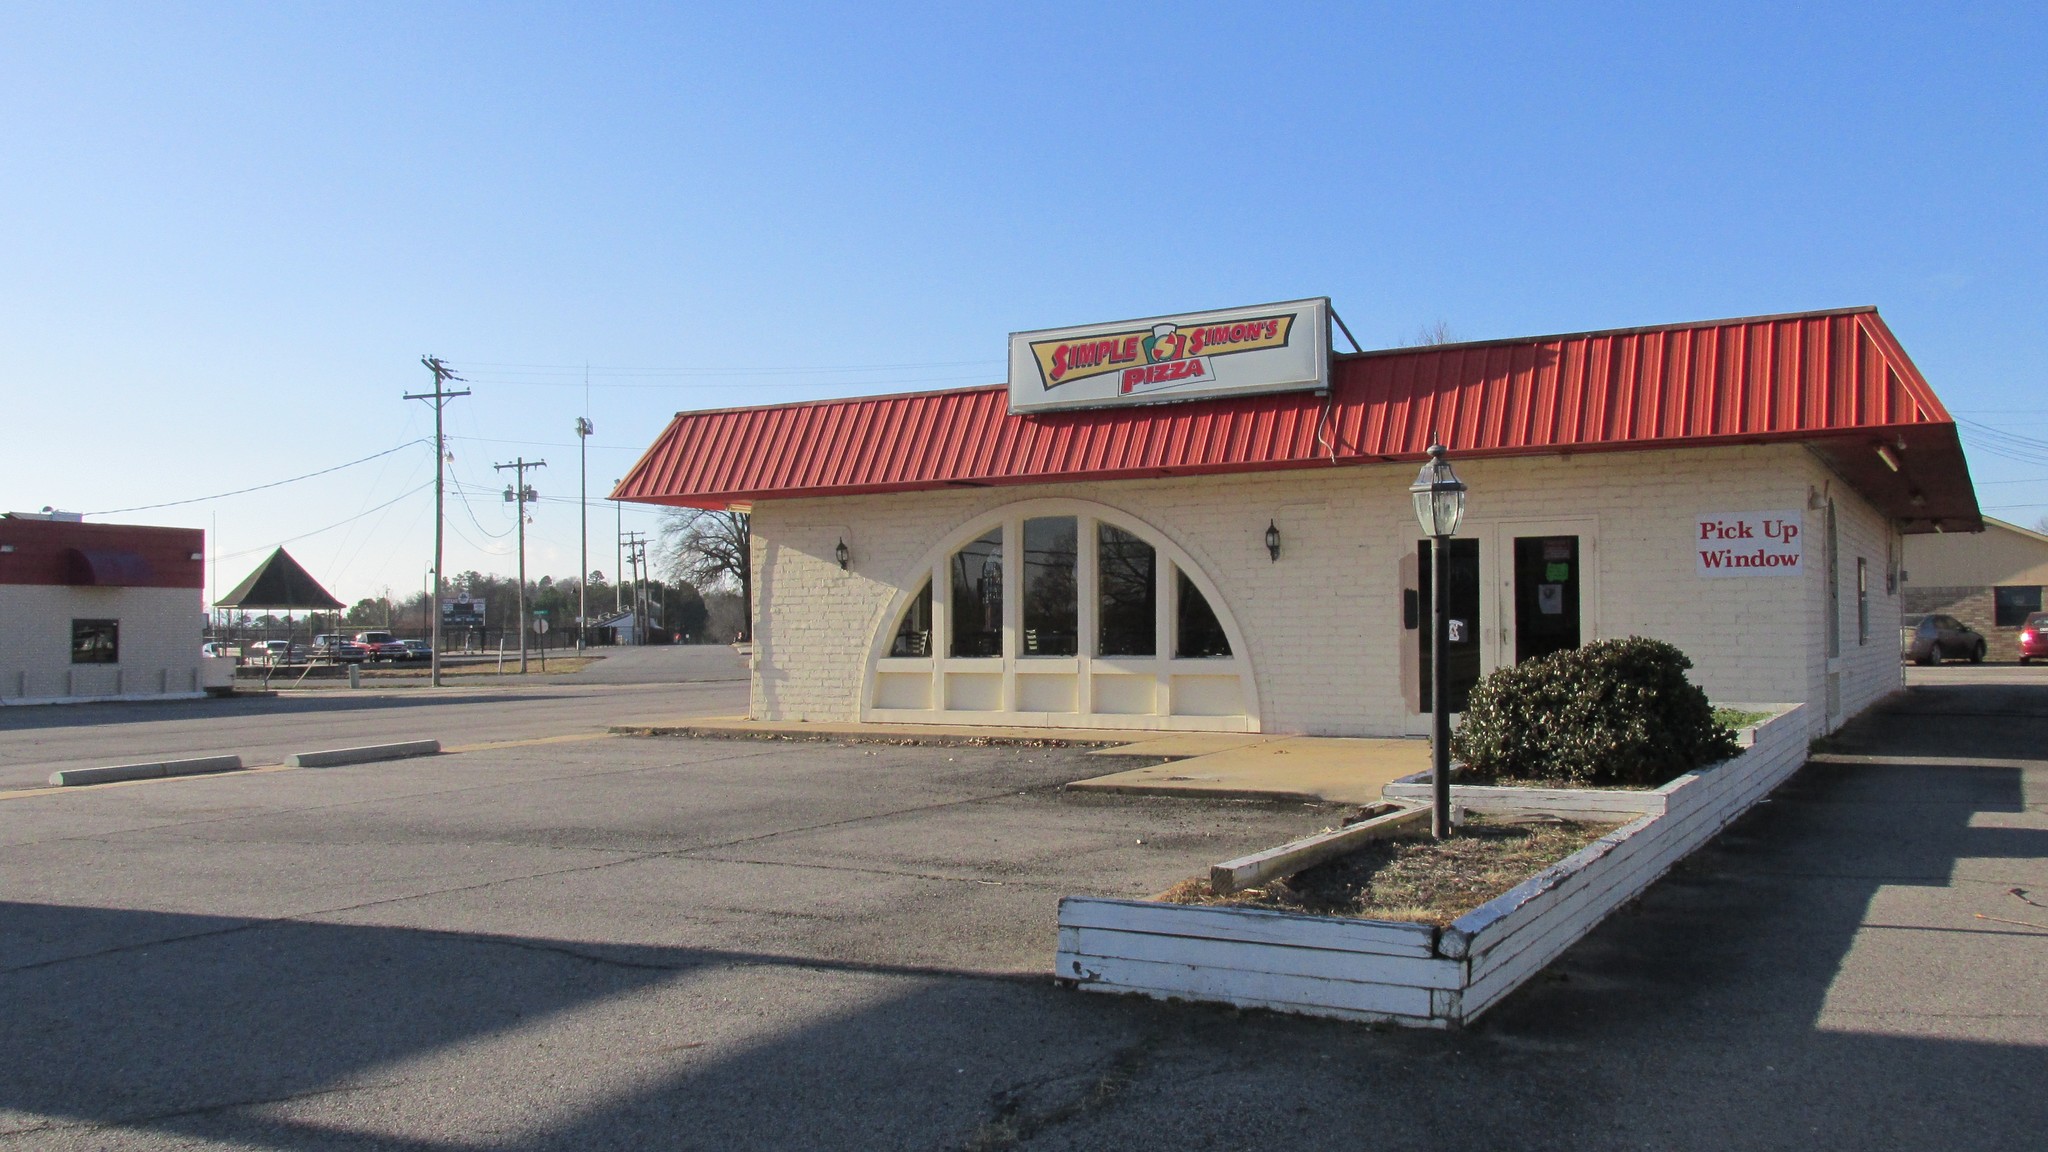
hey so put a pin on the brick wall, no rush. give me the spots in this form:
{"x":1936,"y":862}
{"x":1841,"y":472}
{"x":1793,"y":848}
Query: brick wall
{"x":159,"y":641}
{"x":1323,"y":625}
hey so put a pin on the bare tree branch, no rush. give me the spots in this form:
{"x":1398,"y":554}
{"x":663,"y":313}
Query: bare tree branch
{"x":710,"y":550}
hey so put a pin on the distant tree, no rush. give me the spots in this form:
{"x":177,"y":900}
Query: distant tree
{"x":367,"y":612}
{"x":724,"y":617}
{"x":711,"y":551}
{"x":683,"y":613}
{"x":1429,"y":334}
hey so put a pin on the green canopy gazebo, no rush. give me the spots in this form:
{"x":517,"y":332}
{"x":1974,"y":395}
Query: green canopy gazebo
{"x":281,"y":583}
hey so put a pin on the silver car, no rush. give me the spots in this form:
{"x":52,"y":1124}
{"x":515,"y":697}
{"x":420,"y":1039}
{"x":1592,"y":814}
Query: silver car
{"x":1933,"y":638}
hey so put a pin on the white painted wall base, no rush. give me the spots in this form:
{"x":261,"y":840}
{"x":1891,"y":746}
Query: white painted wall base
{"x":123,"y":698}
{"x":1414,"y":974}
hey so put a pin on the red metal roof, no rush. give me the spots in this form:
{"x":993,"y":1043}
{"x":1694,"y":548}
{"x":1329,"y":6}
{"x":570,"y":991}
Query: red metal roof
{"x":1836,"y":379}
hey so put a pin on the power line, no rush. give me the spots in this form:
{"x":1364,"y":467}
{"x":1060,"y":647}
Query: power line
{"x":329,"y":528}
{"x":672,"y":385}
{"x":259,"y":487}
{"x":579,"y":370}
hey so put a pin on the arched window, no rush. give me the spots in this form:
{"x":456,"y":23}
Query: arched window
{"x":1066,"y":614}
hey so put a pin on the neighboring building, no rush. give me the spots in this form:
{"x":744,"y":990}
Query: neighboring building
{"x":1989,"y":580}
{"x":627,"y":627}
{"x":1249,"y":560}
{"x":100,"y":611}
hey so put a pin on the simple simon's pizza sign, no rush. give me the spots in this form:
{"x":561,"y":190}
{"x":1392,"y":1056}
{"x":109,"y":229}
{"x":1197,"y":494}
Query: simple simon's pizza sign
{"x":1266,"y":348}
{"x":1749,"y":544}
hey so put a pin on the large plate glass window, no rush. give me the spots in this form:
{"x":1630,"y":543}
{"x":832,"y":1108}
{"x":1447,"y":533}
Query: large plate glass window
{"x":1127,"y":570}
{"x":977,"y":615}
{"x":1197,"y":632}
{"x":914,"y":633}
{"x":1052,"y":621}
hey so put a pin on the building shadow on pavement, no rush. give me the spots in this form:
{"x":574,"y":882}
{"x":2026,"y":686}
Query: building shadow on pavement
{"x":1769,"y":994}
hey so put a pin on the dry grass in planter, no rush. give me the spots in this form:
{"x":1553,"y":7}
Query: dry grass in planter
{"x":1412,"y":877}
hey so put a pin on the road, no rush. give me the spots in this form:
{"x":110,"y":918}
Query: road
{"x":659,"y":943}
{"x":637,"y":685}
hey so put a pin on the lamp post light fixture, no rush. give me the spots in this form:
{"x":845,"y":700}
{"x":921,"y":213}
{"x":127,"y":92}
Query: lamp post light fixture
{"x":1439,"y":504}
{"x":1273,"y":541}
{"x":841,"y":554}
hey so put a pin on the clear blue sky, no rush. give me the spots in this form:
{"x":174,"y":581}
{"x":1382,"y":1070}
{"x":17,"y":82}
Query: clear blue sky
{"x":228,"y":233}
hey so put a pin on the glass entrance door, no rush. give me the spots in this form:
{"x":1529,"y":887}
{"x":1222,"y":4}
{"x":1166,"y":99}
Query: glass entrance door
{"x":1546,"y":595}
{"x":1462,"y":605}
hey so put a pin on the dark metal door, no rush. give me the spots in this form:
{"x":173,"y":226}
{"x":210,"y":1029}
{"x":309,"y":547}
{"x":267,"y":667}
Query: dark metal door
{"x":1463,"y":606}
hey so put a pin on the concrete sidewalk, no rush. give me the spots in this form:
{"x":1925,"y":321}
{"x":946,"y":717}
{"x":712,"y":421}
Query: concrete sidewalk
{"x":1329,"y":769}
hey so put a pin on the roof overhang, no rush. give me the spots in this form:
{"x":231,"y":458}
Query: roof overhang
{"x":1916,"y":474}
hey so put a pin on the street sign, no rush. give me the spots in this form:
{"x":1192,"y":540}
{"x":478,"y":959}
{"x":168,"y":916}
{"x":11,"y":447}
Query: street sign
{"x":540,"y":625}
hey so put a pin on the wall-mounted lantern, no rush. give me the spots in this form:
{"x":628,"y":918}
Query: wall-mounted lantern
{"x":842,"y":554}
{"x":1273,"y":540}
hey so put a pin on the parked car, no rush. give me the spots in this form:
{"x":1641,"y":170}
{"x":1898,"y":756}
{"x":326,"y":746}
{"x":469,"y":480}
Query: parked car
{"x":2034,"y":637}
{"x":417,"y":650}
{"x":1935,"y":638}
{"x":382,"y":645}
{"x":340,"y":649}
{"x":278,"y":652}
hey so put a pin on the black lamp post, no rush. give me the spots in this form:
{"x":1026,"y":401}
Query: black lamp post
{"x":1439,"y":504}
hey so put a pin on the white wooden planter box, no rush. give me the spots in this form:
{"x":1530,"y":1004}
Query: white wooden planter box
{"x":1416,"y":974}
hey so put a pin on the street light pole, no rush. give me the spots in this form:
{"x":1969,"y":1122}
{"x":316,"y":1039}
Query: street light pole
{"x":583,"y":430}
{"x":1439,"y":498}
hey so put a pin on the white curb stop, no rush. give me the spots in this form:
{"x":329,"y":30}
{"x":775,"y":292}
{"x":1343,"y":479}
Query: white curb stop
{"x":366,"y":754}
{"x":112,"y":773}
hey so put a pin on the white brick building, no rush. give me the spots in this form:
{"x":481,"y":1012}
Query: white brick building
{"x":1112,"y":567}
{"x":99,"y":611}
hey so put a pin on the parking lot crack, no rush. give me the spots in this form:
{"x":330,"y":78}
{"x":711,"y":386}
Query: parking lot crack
{"x":1015,"y":1120}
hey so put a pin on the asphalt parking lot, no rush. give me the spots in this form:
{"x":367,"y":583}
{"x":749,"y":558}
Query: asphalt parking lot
{"x":662,"y":943}
{"x":627,"y":686}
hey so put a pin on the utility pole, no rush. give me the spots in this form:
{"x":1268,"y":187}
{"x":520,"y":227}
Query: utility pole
{"x":523,"y":495}
{"x":583,"y":430}
{"x":440,"y":396}
{"x":635,"y":548}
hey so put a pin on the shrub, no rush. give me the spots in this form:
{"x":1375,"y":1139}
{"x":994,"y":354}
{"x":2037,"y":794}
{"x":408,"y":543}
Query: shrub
{"x":1611,"y":712}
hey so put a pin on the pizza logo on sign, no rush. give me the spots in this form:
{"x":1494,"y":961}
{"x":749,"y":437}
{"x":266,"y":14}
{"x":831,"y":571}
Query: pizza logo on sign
{"x":1158,"y":357}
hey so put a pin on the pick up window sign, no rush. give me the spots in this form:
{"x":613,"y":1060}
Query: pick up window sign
{"x":1749,"y":544}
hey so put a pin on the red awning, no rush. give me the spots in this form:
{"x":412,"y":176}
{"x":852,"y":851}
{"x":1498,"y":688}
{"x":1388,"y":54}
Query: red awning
{"x":110,"y":568}
{"x":1837,"y":380}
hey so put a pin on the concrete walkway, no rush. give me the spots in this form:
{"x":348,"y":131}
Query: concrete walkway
{"x":1314,"y":768}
